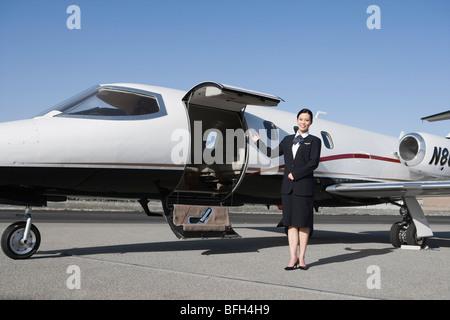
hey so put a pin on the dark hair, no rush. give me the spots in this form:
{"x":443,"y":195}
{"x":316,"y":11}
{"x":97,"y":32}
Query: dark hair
{"x":305,"y":111}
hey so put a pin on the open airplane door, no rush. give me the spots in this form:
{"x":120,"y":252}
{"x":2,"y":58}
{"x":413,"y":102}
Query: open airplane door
{"x":218,"y":158}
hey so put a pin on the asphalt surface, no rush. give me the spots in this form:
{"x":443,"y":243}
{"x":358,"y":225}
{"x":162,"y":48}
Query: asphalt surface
{"x":114,"y":255}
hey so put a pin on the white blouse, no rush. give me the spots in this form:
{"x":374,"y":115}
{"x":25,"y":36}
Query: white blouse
{"x":297,"y":145}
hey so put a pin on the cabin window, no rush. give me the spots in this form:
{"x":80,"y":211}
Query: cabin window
{"x":271,"y":130}
{"x":211,"y":140}
{"x":327,"y":140}
{"x":114,"y":103}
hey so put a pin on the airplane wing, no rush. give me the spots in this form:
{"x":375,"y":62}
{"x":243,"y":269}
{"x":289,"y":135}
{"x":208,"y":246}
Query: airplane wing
{"x":391,"y":190}
{"x":407,"y":191}
{"x":438,"y":117}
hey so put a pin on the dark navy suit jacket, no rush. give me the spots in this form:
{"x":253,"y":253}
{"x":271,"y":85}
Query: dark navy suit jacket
{"x":302,"y":166}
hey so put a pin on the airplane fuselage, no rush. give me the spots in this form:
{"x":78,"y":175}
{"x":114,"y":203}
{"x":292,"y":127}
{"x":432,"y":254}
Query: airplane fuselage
{"x":192,"y":150}
{"x":62,"y":154}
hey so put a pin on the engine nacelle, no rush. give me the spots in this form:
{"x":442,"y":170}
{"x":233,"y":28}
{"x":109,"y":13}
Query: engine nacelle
{"x":426,"y":154}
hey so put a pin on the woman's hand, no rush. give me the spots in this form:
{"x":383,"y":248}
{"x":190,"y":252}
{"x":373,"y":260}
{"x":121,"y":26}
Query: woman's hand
{"x":290,"y":176}
{"x":255,"y":137}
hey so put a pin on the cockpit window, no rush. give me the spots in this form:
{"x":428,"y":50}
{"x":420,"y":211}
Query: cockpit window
{"x":113,"y":103}
{"x":110,"y":102}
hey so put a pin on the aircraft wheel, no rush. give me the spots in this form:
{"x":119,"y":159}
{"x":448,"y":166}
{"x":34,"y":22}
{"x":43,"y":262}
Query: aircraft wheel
{"x":411,"y":237}
{"x":397,"y":234}
{"x":12,"y":244}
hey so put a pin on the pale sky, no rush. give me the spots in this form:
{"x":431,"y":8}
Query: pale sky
{"x":315,"y":54}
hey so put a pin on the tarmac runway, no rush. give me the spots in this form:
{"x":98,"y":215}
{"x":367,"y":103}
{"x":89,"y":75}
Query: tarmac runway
{"x":105,"y":255}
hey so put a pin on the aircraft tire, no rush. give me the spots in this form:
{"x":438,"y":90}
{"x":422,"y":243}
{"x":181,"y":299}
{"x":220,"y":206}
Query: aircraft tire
{"x":411,"y":237}
{"x":11,"y":245}
{"x":396,"y":234}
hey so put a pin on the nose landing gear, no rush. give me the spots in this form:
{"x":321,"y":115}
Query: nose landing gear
{"x":21,"y":239}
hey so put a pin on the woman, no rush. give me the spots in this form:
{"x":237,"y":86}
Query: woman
{"x":301,"y":157}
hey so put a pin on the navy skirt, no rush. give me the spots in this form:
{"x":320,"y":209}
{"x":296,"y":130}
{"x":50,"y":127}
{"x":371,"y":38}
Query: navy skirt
{"x":298,"y":211}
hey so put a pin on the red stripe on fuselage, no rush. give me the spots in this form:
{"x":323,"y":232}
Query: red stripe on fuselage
{"x":339,"y":157}
{"x":357,"y":156}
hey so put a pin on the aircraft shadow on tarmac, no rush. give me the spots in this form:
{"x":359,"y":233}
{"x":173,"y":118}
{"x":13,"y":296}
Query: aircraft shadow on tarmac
{"x":254,"y":244}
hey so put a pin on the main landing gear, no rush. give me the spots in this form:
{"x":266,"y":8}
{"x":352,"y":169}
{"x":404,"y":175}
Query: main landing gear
{"x":413,"y":229}
{"x":21,"y":239}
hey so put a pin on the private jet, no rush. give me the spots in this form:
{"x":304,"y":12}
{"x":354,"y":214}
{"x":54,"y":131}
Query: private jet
{"x":191,"y":150}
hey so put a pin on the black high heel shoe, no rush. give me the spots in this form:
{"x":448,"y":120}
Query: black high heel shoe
{"x":300,"y":267}
{"x":292,"y":268}
{"x":303,"y":268}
